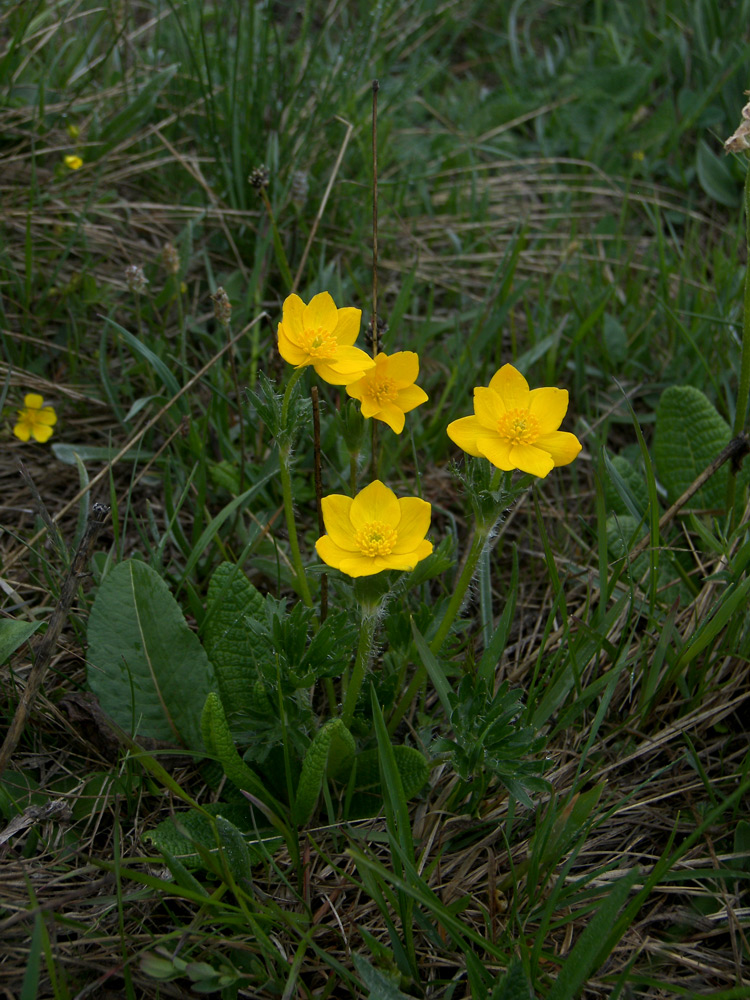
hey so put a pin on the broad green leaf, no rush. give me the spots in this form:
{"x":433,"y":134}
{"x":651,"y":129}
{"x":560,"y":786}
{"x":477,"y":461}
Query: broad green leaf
{"x":145,"y":665}
{"x":232,"y":599}
{"x":514,"y":985}
{"x":14,"y":634}
{"x":381,"y":987}
{"x":715,"y":176}
{"x":625,"y":488}
{"x":689,"y":434}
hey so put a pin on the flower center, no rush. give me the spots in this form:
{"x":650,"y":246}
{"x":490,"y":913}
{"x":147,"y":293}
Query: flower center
{"x":320,"y":343}
{"x":380,"y":390}
{"x":376,"y":539}
{"x":518,"y":427}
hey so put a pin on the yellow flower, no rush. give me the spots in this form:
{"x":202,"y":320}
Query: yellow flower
{"x":321,"y":335}
{"x":375,"y":531}
{"x":73,"y":162}
{"x":35,"y":420}
{"x":516,"y":427}
{"x":387,"y":391}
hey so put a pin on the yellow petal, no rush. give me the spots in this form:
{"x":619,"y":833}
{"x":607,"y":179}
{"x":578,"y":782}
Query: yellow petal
{"x":549,"y":406}
{"x":46,"y":416}
{"x":33,"y":401}
{"x":404,"y":560}
{"x":528,"y":458}
{"x":561,"y":445}
{"x":331,"y":375}
{"x":410,"y":397}
{"x":463,"y":432}
{"x":362,"y":565}
{"x":347,"y":325}
{"x":390,"y":414}
{"x":22,"y":430}
{"x":488,"y":407}
{"x":351,"y":359}
{"x":289,"y":350}
{"x":330,"y":553}
{"x":370,"y":407}
{"x":320,"y":313}
{"x":375,"y":503}
{"x":357,"y":389}
{"x":42,"y":433}
{"x":403,"y":367}
{"x":291,"y":317}
{"x":496,"y":449}
{"x":414,"y":524}
{"x":336,"y":509}
{"x":510,"y":384}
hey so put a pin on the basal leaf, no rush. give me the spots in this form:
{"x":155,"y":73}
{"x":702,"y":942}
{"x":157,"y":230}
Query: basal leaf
{"x":689,"y":434}
{"x":146,"y":666}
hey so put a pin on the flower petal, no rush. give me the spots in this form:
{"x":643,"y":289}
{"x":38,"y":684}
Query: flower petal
{"x":496,"y":449}
{"x":512,"y":387}
{"x":403,"y":367}
{"x":289,"y":350}
{"x":463,"y":432}
{"x":330,"y":552}
{"x":390,"y":414}
{"x":375,"y":503}
{"x":352,"y":359}
{"x":46,"y":416}
{"x":336,"y":509}
{"x":488,"y":407}
{"x":531,"y":459}
{"x":561,"y":445}
{"x":22,"y":430}
{"x":33,"y":401}
{"x":362,"y":565}
{"x":291,"y":318}
{"x":347,"y":325}
{"x":414,"y":524}
{"x":320,"y":313}
{"x":410,"y":397}
{"x":42,"y":433}
{"x":549,"y":406}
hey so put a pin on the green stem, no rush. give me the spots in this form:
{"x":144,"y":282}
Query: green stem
{"x":354,"y":686}
{"x":286,"y":487}
{"x":743,"y":388}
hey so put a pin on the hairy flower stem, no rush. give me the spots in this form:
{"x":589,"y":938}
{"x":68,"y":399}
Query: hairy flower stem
{"x":743,"y":387}
{"x":285,"y":452}
{"x":364,"y":649}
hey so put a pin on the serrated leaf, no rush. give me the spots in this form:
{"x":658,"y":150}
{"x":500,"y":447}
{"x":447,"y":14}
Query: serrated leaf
{"x":625,"y":489}
{"x":514,"y":985}
{"x":689,"y":434}
{"x":146,"y":666}
{"x":14,"y":634}
{"x":232,"y":600}
{"x":379,"y":985}
{"x":315,"y":765}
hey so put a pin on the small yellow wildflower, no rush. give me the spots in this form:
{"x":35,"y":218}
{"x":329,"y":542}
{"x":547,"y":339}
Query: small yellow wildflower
{"x":388,"y":391}
{"x":516,"y":427}
{"x":73,"y":162}
{"x":321,"y":335}
{"x":374,"y":531}
{"x":72,"y":130}
{"x":35,"y":420}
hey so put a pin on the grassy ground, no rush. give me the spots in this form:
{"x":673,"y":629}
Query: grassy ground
{"x":553,"y":193}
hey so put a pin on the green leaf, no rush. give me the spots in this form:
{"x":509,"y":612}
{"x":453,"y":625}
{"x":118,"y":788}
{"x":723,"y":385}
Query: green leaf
{"x":14,"y":634}
{"x":586,"y":956}
{"x":69,"y":453}
{"x":615,"y":339}
{"x":232,"y":600}
{"x":381,"y":987}
{"x":514,"y":985}
{"x":625,"y":488}
{"x":689,"y":434}
{"x":331,"y":743}
{"x":411,"y":764}
{"x":715,"y":176}
{"x":220,"y":744}
{"x":145,"y":665}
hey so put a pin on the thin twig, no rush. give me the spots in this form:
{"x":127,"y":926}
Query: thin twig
{"x":44,"y":649}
